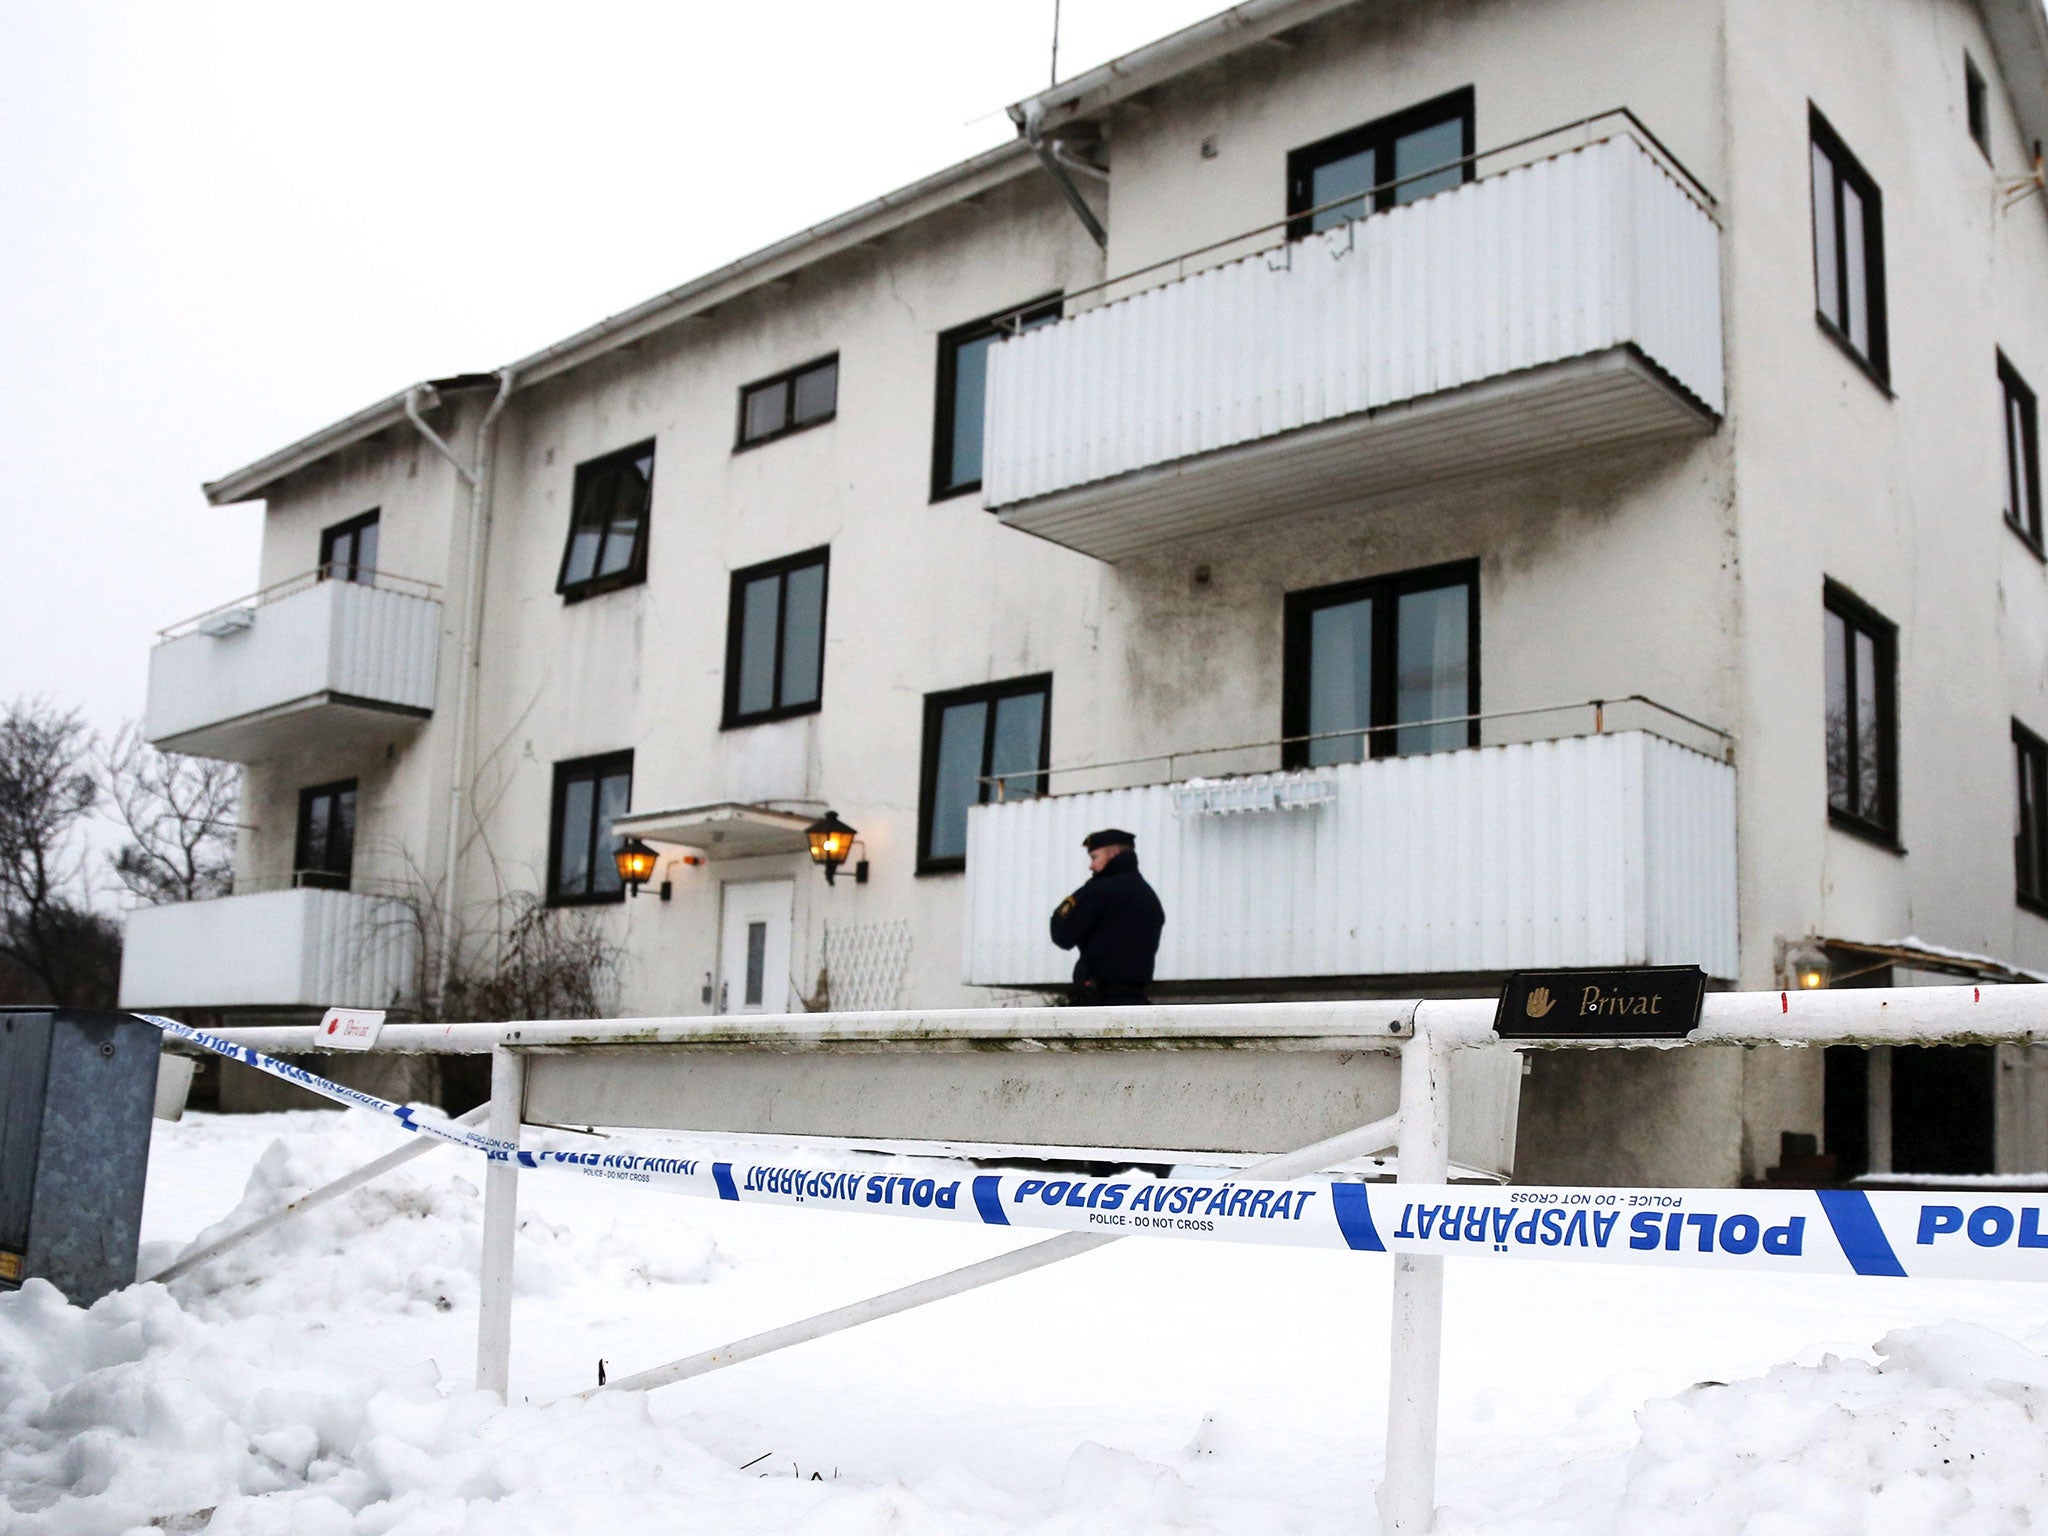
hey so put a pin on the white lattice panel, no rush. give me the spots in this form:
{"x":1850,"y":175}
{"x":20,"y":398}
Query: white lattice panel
{"x":866,"y":964}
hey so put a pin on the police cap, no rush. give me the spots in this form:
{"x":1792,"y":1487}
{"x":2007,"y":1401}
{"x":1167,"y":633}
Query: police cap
{"x":1109,"y":837}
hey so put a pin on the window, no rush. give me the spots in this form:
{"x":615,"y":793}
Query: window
{"x":775,"y":639}
{"x":980,"y":744}
{"x":2030,"y":819}
{"x":1848,"y":252}
{"x":608,"y":524}
{"x":1376,"y":167}
{"x":1976,"y":105}
{"x":348,"y":551}
{"x":963,"y":392}
{"x":2022,"y":455}
{"x":789,"y":402}
{"x":590,"y":794}
{"x":1365,"y":659}
{"x":326,"y":844}
{"x":1862,"y":649}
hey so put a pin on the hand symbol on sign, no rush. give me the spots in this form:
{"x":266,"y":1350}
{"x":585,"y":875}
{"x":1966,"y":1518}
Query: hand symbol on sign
{"x":1539,"y":1003}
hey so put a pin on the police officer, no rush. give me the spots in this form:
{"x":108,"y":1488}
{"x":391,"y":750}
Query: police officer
{"x":1114,"y":920}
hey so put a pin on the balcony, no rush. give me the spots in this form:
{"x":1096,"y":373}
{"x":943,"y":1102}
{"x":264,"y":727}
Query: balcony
{"x":273,"y":949}
{"x":1560,"y":305}
{"x":1611,"y":848}
{"x":307,"y":663}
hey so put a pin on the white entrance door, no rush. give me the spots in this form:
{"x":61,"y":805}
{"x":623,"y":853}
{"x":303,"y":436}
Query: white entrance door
{"x":753,"y":947}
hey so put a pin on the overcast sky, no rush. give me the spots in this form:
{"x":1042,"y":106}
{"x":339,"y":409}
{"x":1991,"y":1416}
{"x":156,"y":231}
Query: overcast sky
{"x":225,"y":223}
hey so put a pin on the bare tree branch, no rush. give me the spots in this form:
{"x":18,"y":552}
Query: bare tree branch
{"x":179,"y":813}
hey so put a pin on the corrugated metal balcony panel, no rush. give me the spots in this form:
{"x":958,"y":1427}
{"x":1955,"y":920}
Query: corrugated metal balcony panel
{"x":1565,"y":259}
{"x":1694,"y":875}
{"x":320,"y":663}
{"x":384,"y":645}
{"x":1598,"y":850}
{"x":272,"y":949}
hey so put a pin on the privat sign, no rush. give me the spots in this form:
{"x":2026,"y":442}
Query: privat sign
{"x":350,"y":1029}
{"x":1658,"y":1002}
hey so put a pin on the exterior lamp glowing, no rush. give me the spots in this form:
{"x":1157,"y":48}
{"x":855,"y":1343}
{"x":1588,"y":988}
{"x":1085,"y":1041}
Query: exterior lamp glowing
{"x":831,"y":841}
{"x":1811,"y":966}
{"x":636,"y":863}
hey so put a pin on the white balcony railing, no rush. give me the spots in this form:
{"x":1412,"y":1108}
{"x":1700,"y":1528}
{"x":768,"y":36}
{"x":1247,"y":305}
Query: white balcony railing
{"x":296,"y":663}
{"x":274,"y":949}
{"x":1611,"y":849}
{"x":1564,"y":304}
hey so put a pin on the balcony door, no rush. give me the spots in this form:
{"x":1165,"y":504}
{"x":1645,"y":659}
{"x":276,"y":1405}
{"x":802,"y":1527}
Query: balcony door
{"x":753,"y":946}
{"x":348,"y":551}
{"x":326,"y":844}
{"x":1382,"y":668}
{"x":1394,"y":160}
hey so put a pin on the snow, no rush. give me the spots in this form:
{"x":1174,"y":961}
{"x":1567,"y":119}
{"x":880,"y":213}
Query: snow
{"x":1914,"y":943}
{"x":316,"y":1381}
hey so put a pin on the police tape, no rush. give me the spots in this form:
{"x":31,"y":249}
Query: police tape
{"x":1936,"y":1234}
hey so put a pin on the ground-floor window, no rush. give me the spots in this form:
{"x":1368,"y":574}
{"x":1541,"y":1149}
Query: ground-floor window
{"x":590,"y":793}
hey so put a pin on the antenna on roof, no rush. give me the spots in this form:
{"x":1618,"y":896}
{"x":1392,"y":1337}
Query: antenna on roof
{"x":1055,"y":42}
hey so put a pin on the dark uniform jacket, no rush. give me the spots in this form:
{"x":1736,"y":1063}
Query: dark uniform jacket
{"x":1115,"y":921}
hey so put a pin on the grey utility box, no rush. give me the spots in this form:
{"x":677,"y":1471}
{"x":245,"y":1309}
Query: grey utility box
{"x":77,"y":1088}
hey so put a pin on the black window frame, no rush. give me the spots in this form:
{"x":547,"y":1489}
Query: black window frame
{"x":1977,"y":105}
{"x":1380,"y":136}
{"x":2022,"y":458}
{"x":786,"y":382}
{"x":592,"y":770}
{"x":1382,"y":733}
{"x":634,"y":572}
{"x":733,"y":718}
{"x":1858,"y":616}
{"x":351,"y":529}
{"x":1849,"y":171}
{"x":326,"y":878}
{"x":2030,"y":820}
{"x":935,"y":707}
{"x":1018,"y":317}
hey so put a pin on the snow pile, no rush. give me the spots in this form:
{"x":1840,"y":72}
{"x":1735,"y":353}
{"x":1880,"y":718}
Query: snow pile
{"x":1947,"y":1432}
{"x":212,"y":1404}
{"x":137,"y":1413}
{"x":409,"y":1240}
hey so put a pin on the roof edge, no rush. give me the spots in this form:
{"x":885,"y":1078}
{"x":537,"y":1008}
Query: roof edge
{"x":1253,"y":21}
{"x":250,"y":480}
{"x":892,"y":210}
{"x":2019,"y":37}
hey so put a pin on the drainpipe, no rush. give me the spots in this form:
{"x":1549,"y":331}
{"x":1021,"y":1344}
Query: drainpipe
{"x":479,"y":478}
{"x":1030,"y":122}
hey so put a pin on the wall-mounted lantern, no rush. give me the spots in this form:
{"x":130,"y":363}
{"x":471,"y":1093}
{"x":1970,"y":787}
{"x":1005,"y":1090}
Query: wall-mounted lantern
{"x":636,"y":863}
{"x":1810,"y":965}
{"x":831,"y":841}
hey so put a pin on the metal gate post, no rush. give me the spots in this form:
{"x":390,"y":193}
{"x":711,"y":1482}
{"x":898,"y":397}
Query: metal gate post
{"x":501,"y":1226}
{"x":1407,"y":1499}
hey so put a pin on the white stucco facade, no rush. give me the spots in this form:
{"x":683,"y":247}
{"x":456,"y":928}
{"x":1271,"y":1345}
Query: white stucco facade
{"x":1683,"y":565}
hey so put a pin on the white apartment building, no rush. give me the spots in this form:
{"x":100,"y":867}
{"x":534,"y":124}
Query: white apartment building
{"x":1280,"y":449}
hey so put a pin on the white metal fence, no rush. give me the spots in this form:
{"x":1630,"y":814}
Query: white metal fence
{"x":1427,"y":1036}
